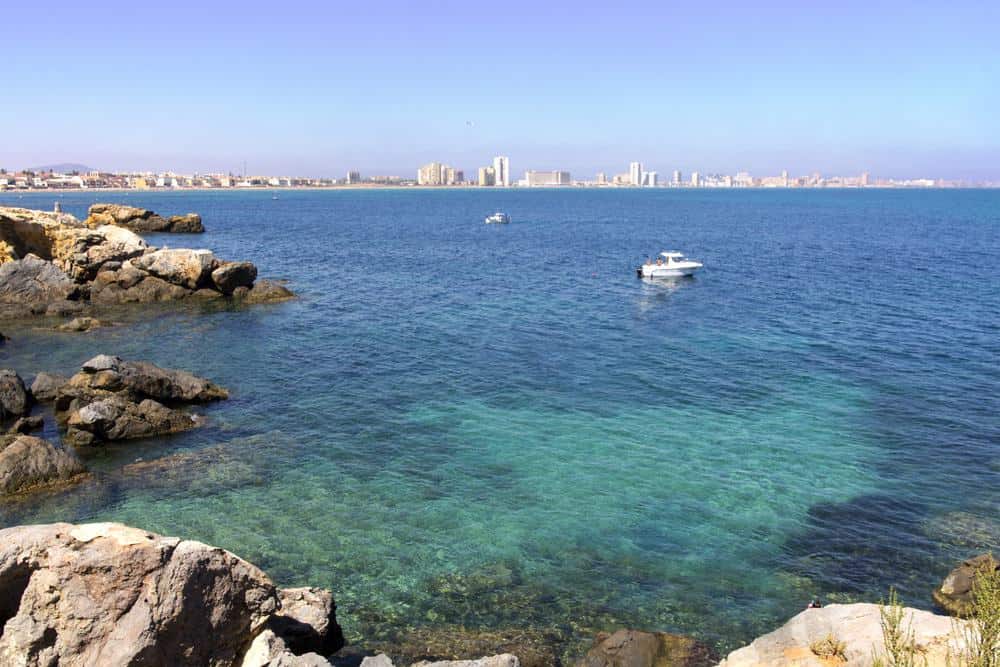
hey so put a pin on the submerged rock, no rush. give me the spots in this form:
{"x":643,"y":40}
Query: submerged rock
{"x":954,"y":595}
{"x":534,"y":648}
{"x":15,"y":401}
{"x":27,"y":425}
{"x":264,"y":291}
{"x":858,"y":626}
{"x":503,"y":660}
{"x":78,"y":324}
{"x":633,"y":648}
{"x":27,"y":463}
{"x":108,"y":594}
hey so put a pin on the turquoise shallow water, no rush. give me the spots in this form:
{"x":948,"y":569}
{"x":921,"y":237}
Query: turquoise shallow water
{"x":461,"y":424}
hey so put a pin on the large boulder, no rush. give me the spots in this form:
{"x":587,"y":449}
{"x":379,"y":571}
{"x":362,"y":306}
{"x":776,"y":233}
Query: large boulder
{"x":117,"y":418}
{"x":954,"y":595}
{"x":189,"y":223}
{"x":15,"y":401}
{"x":46,"y":386}
{"x":270,"y":650}
{"x":264,"y":291}
{"x":307,"y":621}
{"x":231,"y":275}
{"x":859,"y":627}
{"x":187,"y":268}
{"x":27,"y":425}
{"x":34,"y":280}
{"x":633,"y":648}
{"x":108,"y":594}
{"x":142,"y":379}
{"x":27,"y":463}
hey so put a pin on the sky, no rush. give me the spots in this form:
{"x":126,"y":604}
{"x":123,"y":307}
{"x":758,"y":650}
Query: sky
{"x":900,"y":89}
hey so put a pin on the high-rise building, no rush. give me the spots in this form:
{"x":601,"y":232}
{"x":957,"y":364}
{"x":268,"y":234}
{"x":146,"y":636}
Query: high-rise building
{"x":865,"y":179}
{"x":542,"y":178}
{"x":487,"y":176}
{"x":635,"y":173}
{"x":602,"y":178}
{"x":353,"y":177}
{"x":430,"y":174}
{"x":695,"y":179}
{"x":501,"y":171}
{"x":650,"y":179}
{"x":677,"y":178}
{"x":784,"y":179}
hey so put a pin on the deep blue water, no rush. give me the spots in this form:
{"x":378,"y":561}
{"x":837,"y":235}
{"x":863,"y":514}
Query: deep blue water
{"x":500,"y":426}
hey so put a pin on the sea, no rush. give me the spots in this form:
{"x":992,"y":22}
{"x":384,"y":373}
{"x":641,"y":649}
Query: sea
{"x":460,"y":425}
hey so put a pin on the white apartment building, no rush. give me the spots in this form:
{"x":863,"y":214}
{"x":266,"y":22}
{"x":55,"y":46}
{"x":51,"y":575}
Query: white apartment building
{"x":501,"y":171}
{"x":635,"y":173}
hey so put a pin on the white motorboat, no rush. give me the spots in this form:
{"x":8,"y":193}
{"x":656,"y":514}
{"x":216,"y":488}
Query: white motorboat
{"x":497,"y":218}
{"x":669,"y":264}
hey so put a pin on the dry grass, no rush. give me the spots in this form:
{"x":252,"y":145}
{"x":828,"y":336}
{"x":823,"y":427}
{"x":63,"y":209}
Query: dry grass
{"x":830,"y":648}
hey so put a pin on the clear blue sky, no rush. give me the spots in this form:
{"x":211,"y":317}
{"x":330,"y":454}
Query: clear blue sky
{"x":902,"y":89}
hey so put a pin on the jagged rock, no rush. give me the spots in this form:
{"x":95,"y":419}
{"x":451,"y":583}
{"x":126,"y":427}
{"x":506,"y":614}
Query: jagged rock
{"x":231,"y":275}
{"x":142,"y":379}
{"x":108,"y":594}
{"x":141,"y":219}
{"x":14,"y":398}
{"x":188,"y":268}
{"x":116,"y":418}
{"x":81,"y":324}
{"x":115,"y":399}
{"x":46,"y":385}
{"x":633,"y":648}
{"x":859,"y":627}
{"x":269,"y":650}
{"x":26,"y":463}
{"x":954,"y":595}
{"x":34,"y":280}
{"x":148,"y":289}
{"x":27,"y":425}
{"x":263,"y":291}
{"x":307,"y":621}
{"x":189,"y":223}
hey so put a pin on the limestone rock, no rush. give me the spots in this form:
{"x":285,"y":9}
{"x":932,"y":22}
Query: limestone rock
{"x":380,"y":660}
{"x":142,"y":379}
{"x":14,"y":398}
{"x":533,"y":647}
{"x":27,"y":462}
{"x":27,"y":425}
{"x":307,"y":621}
{"x":46,"y":385}
{"x":633,"y":648}
{"x":141,"y":219}
{"x":954,"y":595}
{"x":231,"y":275}
{"x":34,"y":280}
{"x":189,"y":223}
{"x":107,"y":594}
{"x":264,"y":291}
{"x":187,"y":268}
{"x":858,"y":625}
{"x":269,"y":650}
{"x":148,"y":289}
{"x":116,"y":418}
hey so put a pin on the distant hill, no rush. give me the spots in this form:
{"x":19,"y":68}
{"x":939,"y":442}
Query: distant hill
{"x":62,"y":168}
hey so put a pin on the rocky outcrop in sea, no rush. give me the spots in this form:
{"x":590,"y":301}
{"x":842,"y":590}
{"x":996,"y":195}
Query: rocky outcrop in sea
{"x":54,"y":264}
{"x":142,"y":220}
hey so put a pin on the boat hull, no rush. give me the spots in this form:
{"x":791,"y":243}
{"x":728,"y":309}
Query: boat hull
{"x":668,"y":272}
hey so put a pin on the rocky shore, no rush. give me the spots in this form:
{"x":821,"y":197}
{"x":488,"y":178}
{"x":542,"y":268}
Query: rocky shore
{"x":110,"y":594}
{"x":142,"y":220}
{"x":53,"y":264}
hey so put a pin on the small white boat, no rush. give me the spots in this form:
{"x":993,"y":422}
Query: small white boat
{"x":497,"y":218}
{"x":669,"y":265}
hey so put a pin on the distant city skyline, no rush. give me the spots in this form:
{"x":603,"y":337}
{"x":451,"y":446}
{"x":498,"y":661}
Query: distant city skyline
{"x":318,"y":89}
